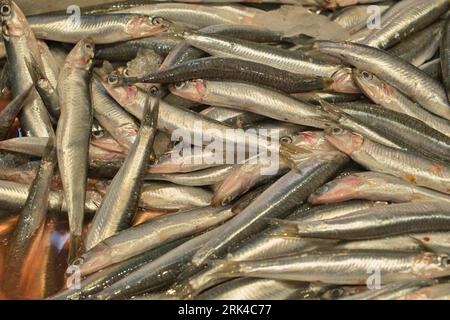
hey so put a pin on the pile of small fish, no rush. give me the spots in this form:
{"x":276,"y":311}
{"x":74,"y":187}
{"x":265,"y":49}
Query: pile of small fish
{"x":101,"y":197}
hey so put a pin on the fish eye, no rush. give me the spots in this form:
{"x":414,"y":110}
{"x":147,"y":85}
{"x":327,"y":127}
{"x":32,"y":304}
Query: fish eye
{"x":78,"y":262}
{"x":337,"y":130}
{"x":286,"y":139}
{"x":153,"y":91}
{"x":88,"y":46}
{"x":337,"y":293}
{"x":157,"y":21}
{"x":126,"y":72}
{"x":323,"y":189}
{"x":5,"y":10}
{"x":227,"y":200}
{"x":98,"y":133}
{"x":113,"y":79}
{"x":179,"y":85}
{"x":367,"y":75}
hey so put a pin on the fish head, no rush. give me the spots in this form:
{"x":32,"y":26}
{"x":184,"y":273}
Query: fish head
{"x":343,"y":81}
{"x":373,"y":87}
{"x":311,"y":140}
{"x":337,"y":190}
{"x":344,"y":140}
{"x":193,"y":90}
{"x":124,"y":94}
{"x":82,"y":55}
{"x":144,"y":26}
{"x":94,"y":259}
{"x":233,"y":186}
{"x":14,"y":23}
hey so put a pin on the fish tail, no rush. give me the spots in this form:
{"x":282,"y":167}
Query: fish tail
{"x":285,"y":229}
{"x":333,"y":111}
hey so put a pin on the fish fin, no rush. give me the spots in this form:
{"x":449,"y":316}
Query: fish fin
{"x":293,"y":149}
{"x":332,"y":110}
{"x":225,"y":268}
{"x":422,"y":244}
{"x":294,"y":156}
{"x":285,"y":229}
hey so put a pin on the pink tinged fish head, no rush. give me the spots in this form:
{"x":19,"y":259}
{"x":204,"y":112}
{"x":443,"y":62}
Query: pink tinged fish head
{"x":193,"y":90}
{"x":373,"y":87}
{"x":14,"y":23}
{"x":344,"y":140}
{"x":429,"y":265}
{"x":123,"y":94}
{"x":231,"y":188}
{"x":82,"y":55}
{"x":144,"y":26}
{"x":165,"y":164}
{"x":343,"y":81}
{"x":94,"y":259}
{"x":311,"y":140}
{"x":337,"y":190}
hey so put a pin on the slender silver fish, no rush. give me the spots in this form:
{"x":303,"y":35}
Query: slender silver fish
{"x":31,"y":218}
{"x":389,"y":97}
{"x":344,"y":267}
{"x":373,"y":186}
{"x":121,"y":199}
{"x":21,"y":46}
{"x":412,"y":81}
{"x":373,"y":223}
{"x":149,"y":235}
{"x":101,"y":28}
{"x":73,"y":134}
{"x":376,"y":157}
{"x":276,"y":201}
